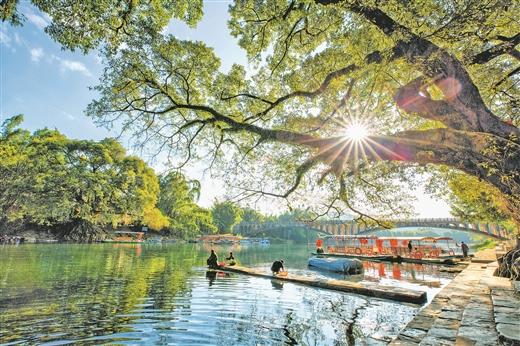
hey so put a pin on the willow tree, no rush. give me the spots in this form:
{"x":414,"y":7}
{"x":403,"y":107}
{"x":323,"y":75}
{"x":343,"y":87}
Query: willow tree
{"x":435,"y":81}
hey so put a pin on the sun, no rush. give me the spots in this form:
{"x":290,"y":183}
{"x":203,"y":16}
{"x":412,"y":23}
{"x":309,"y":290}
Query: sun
{"x":356,"y":131}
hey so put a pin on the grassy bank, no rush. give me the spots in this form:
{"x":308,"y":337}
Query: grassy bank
{"x":485,"y":244}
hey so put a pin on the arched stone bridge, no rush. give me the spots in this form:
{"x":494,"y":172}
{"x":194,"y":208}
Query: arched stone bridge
{"x":341,"y":227}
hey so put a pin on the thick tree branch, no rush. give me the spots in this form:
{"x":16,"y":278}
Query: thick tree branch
{"x":413,"y":98}
{"x":444,"y":69}
{"x":506,"y":47}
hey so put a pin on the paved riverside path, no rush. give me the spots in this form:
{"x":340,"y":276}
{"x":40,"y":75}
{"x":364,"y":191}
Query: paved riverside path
{"x":475,"y":308}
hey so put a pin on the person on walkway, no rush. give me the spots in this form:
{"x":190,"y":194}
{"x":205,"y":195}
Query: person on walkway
{"x":410,"y":246}
{"x":212,"y":260}
{"x":277,"y":267}
{"x":465,"y":249}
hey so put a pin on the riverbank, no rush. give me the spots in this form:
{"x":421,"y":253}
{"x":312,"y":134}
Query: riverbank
{"x":476,"y":308}
{"x":48,"y":236}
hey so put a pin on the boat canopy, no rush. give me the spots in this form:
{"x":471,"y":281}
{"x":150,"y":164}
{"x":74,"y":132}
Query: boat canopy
{"x":416,"y":238}
{"x":368,"y":236}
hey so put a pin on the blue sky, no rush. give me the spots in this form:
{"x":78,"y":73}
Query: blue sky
{"x":50,"y":86}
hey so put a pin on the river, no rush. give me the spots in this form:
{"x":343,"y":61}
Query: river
{"x":162,"y":294}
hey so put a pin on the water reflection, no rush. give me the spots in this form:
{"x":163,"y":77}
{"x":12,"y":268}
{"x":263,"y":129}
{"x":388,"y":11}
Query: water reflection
{"x":162,"y":294}
{"x":211,"y":276}
{"x":276,"y":284}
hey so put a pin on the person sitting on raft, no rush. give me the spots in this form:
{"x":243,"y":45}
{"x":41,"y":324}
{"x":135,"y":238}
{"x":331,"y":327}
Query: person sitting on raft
{"x":319,"y":250}
{"x":231,"y":259}
{"x":212,"y":260}
{"x":277,"y":267}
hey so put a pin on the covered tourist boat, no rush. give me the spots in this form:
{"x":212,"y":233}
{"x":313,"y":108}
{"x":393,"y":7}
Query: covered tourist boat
{"x":421,"y":249}
{"x":339,"y":265}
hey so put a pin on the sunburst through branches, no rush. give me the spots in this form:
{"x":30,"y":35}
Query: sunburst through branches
{"x":356,"y":131}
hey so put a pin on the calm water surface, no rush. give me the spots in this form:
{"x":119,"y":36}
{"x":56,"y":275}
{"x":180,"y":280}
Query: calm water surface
{"x":161,"y":294}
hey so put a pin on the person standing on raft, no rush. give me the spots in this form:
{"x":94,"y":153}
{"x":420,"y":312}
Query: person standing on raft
{"x":465,"y":249}
{"x":212,"y":260}
{"x":277,"y":267}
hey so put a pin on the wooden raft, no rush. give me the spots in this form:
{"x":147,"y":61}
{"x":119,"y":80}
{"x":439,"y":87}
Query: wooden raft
{"x":366,"y":289}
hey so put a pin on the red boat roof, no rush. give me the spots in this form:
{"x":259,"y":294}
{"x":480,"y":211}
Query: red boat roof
{"x":417,"y":238}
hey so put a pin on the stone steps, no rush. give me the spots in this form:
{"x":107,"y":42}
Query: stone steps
{"x":476,"y":308}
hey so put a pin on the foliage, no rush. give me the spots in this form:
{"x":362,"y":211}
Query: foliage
{"x":105,"y":22}
{"x":435,"y":82}
{"x":51,"y":180}
{"x":485,"y":244}
{"x":473,"y":200}
{"x":225,"y":215}
{"x":251,"y":215}
{"x":155,"y":219}
{"x":177,"y":202}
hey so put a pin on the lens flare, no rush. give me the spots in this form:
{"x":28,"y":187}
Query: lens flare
{"x":356,"y":131}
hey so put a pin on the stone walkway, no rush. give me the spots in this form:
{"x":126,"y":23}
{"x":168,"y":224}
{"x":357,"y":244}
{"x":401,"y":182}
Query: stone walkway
{"x":487,"y":255}
{"x":476,"y":308}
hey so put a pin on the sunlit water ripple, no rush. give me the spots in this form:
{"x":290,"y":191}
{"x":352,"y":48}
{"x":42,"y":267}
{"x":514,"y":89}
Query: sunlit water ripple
{"x":162,"y":295}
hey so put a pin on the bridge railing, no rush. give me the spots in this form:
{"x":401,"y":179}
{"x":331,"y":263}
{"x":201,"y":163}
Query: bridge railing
{"x":475,"y":226}
{"x":339,"y":222}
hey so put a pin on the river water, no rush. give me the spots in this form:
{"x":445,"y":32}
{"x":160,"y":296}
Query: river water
{"x":162,"y":294}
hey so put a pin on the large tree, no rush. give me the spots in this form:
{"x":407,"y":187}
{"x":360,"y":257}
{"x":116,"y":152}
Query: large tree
{"x":225,"y":215}
{"x":72,"y":185}
{"x":437,"y":81}
{"x":177,"y":201}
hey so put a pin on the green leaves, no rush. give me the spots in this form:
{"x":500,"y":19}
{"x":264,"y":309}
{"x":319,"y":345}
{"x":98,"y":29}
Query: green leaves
{"x":225,"y":215}
{"x":315,"y":67}
{"x":111,"y":23}
{"x":177,"y":201}
{"x":49,"y":179}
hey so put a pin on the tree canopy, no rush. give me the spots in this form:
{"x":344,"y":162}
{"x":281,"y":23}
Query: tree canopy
{"x":51,"y":180}
{"x":472,"y":200}
{"x":177,"y":201}
{"x":435,"y":82}
{"x":225,"y":215}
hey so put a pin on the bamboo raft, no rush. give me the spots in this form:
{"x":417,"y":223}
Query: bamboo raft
{"x":367,"y":289}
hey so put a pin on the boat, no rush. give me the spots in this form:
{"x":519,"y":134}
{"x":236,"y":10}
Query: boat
{"x":434,"y":250}
{"x":260,"y":241}
{"x":362,"y":257}
{"x":126,"y":237}
{"x":339,"y":265}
